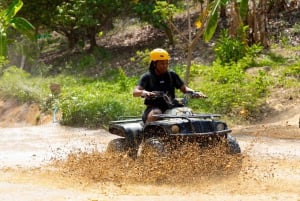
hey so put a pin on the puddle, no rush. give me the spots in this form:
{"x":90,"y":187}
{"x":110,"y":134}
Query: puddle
{"x":35,"y":145}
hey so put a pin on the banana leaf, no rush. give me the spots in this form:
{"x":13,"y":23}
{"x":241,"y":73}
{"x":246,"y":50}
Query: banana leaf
{"x":211,"y":27}
{"x":12,"y":10}
{"x":212,"y":23}
{"x":24,"y":27}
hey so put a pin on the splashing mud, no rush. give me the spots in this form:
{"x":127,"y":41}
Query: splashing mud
{"x":185,"y":166}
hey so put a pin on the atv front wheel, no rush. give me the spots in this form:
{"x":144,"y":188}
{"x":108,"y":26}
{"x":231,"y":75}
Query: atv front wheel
{"x":151,"y":146}
{"x":117,"y":145}
{"x":233,"y":146}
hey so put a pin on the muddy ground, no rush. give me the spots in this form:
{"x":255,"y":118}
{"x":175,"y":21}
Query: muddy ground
{"x":46,"y":161}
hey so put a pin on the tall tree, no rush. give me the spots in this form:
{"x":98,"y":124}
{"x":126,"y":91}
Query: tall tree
{"x":81,"y":21}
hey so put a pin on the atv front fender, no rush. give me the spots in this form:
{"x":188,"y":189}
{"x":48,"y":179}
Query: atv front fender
{"x":131,"y":130}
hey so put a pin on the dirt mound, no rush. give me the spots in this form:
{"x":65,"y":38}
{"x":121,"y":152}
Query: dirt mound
{"x":284,"y":107}
{"x":13,"y":113}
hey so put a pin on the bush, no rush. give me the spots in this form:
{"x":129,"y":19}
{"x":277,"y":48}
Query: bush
{"x":96,"y":102}
{"x":293,"y":71}
{"x":19,"y":84}
{"x":229,"y":49}
{"x":89,"y":108}
{"x":3,"y":61}
{"x":232,"y":49}
{"x":230,"y":90}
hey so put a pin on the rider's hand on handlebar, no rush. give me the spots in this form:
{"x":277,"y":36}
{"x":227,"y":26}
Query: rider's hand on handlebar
{"x":146,"y":94}
{"x":197,"y":94}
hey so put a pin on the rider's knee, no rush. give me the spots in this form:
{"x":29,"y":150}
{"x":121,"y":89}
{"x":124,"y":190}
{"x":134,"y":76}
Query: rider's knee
{"x":151,"y":116}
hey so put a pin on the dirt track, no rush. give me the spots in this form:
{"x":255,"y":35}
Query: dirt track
{"x":270,"y":171}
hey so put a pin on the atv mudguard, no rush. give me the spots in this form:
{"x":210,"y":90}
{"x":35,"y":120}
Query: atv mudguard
{"x":130,"y":129}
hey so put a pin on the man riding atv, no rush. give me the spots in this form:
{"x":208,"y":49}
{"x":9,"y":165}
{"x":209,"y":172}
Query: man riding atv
{"x":159,"y":78}
{"x":167,"y":122}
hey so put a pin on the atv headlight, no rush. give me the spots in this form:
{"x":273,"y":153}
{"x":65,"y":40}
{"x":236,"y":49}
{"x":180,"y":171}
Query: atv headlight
{"x":220,"y":126}
{"x":175,"y":129}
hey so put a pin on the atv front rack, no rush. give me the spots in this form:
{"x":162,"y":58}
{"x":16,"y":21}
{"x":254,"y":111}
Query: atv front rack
{"x":223,"y":132}
{"x":203,"y":116}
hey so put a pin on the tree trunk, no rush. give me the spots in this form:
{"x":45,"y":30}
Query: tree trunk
{"x":72,"y":39}
{"x":190,"y":49}
{"x":257,"y":21}
{"x":189,"y":63}
{"x":23,"y":60}
{"x":263,"y":33}
{"x":92,"y":38}
{"x":235,"y":20}
{"x":170,"y":36}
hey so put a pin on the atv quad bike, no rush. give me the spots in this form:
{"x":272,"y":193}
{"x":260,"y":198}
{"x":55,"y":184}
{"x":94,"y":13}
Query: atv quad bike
{"x":176,"y":126}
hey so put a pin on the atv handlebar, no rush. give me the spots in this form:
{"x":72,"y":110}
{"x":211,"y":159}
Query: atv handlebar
{"x":161,"y":94}
{"x":173,"y":102}
{"x":195,"y":94}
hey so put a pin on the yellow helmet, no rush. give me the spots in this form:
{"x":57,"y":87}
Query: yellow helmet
{"x":159,"y":54}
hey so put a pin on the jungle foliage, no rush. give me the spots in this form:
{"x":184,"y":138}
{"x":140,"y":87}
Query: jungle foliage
{"x":95,"y":100}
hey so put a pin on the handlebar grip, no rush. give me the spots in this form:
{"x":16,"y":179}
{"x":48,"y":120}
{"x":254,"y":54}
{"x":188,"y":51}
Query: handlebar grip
{"x":196,"y":94}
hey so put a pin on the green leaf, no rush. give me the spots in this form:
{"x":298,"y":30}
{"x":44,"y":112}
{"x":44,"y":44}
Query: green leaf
{"x":214,"y":8}
{"x":12,"y":10}
{"x":211,"y":27}
{"x":24,"y":27}
{"x":3,"y":44}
